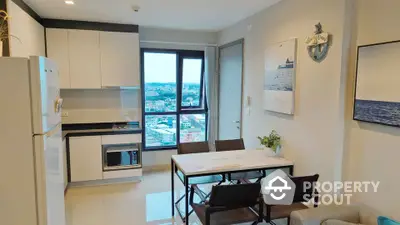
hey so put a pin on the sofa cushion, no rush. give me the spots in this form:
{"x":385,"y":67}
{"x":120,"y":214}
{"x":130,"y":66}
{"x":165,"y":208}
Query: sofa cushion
{"x":337,"y":222}
{"x":368,"y":215}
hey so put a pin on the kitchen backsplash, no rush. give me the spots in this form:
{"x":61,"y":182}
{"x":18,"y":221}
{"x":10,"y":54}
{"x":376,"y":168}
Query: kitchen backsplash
{"x":102,"y":105}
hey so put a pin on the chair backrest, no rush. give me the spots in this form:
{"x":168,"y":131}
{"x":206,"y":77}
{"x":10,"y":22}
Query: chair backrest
{"x":229,"y":145}
{"x":303,"y":187}
{"x":235,"y":195}
{"x":193,"y":147}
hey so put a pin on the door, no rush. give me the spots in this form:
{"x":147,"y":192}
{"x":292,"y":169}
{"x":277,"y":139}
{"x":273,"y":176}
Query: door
{"x":119,"y":59}
{"x":84,"y":52}
{"x":86,"y":161}
{"x":57,"y":50}
{"x":45,"y":94}
{"x":49,"y":178}
{"x":230,"y":90}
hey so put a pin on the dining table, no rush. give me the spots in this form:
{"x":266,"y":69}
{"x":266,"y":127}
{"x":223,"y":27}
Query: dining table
{"x":220,"y":163}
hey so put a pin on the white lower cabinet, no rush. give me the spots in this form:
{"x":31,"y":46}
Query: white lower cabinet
{"x":85,"y":158}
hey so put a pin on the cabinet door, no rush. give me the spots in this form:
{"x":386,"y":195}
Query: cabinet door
{"x":57,"y":50}
{"x":119,"y":59}
{"x":85,"y":158}
{"x":84,"y":49}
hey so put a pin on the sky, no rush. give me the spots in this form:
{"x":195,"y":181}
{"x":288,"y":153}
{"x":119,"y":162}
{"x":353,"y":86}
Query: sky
{"x":161,"y":68}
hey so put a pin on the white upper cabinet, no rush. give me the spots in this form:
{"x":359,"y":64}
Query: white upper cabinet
{"x":94,"y":59}
{"x":120,"y":59}
{"x":57,"y":50}
{"x":84,"y":51}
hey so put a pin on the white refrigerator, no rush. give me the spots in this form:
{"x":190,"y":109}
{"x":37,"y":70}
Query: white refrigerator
{"x":31,"y":163}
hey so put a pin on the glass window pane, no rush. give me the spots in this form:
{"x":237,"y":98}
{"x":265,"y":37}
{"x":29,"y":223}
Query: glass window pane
{"x":160,"y":82}
{"x":193,"y":128}
{"x":160,"y":130}
{"x":191,"y":80}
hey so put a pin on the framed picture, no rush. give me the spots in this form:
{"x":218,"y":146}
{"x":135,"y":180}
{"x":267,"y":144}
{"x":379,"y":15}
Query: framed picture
{"x":377,"y":91}
{"x":279,"y":77}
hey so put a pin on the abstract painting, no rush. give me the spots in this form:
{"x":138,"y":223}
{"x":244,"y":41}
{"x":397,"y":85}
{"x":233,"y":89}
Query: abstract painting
{"x":377,"y":95}
{"x":279,"y":77}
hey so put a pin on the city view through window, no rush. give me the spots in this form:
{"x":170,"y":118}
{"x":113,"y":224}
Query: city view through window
{"x":161,"y":97}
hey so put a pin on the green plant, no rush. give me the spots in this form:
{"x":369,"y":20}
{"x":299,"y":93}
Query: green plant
{"x":272,"y":141}
{"x":4,"y":18}
{"x":3,"y":25}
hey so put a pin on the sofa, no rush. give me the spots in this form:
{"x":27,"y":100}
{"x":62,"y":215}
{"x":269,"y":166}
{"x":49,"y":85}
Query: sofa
{"x":335,"y":215}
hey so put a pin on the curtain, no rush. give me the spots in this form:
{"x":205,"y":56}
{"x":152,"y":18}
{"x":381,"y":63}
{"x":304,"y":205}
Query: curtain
{"x":211,"y":84}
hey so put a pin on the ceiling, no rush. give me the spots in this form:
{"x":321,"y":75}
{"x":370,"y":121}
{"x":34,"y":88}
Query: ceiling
{"x":211,"y":15}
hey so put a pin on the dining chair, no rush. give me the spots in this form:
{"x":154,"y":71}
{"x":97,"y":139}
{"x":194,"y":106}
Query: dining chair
{"x":193,"y":148}
{"x":230,"y":204}
{"x":273,"y":212}
{"x":233,"y":145}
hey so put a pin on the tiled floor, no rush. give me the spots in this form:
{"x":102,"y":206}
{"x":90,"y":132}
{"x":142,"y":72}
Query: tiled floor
{"x":146,"y":202}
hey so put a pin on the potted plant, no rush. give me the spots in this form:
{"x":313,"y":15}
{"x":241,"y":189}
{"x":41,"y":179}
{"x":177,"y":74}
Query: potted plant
{"x":272,"y":142}
{"x":4,"y":17}
{"x":3,"y":29}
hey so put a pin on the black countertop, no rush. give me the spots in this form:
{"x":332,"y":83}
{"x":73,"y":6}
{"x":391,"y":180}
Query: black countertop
{"x":95,"y":129}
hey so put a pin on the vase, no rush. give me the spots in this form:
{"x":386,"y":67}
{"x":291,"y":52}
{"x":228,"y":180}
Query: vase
{"x":271,"y":152}
{"x":278,"y":152}
{"x":1,"y":48}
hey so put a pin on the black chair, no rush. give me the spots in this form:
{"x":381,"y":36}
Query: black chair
{"x":230,"y":204}
{"x":192,"y":148}
{"x":273,"y":212}
{"x":240,"y":177}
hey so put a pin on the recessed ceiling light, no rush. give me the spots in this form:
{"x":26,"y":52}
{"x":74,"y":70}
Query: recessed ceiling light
{"x":69,"y":2}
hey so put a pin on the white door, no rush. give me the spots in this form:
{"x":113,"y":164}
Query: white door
{"x":45,"y":94}
{"x":230,"y":91}
{"x":49,"y":178}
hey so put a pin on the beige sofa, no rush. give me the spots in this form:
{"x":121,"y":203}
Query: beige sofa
{"x":335,"y":215}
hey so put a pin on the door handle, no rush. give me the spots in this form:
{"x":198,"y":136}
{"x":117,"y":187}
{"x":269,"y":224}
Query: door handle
{"x":236,"y":121}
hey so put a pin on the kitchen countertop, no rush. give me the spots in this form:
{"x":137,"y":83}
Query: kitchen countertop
{"x":76,"y":130}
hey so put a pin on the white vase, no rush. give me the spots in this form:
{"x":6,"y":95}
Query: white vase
{"x":1,"y":48}
{"x":271,"y":152}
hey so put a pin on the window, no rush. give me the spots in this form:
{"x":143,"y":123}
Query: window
{"x":174,"y":100}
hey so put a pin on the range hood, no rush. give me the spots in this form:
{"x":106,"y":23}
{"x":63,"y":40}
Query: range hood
{"x":121,"y":87}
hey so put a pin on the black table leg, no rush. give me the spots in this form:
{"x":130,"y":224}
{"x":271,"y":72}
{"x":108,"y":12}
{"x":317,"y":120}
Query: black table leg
{"x":172,"y":187}
{"x":186,"y":200}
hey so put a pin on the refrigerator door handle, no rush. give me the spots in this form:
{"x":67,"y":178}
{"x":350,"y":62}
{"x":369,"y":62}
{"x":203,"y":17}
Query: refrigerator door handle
{"x":58,"y":105}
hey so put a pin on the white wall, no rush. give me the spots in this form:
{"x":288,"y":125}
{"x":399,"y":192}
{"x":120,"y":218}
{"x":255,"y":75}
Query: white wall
{"x":188,"y":40}
{"x":313,"y":137}
{"x":373,"y":150}
{"x":102,"y":105}
{"x":173,"y":39}
{"x":28,"y":30}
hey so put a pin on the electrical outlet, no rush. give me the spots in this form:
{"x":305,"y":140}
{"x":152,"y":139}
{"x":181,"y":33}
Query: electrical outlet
{"x":64,"y":114}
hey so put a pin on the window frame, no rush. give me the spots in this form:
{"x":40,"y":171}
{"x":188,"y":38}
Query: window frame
{"x":180,"y":110}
